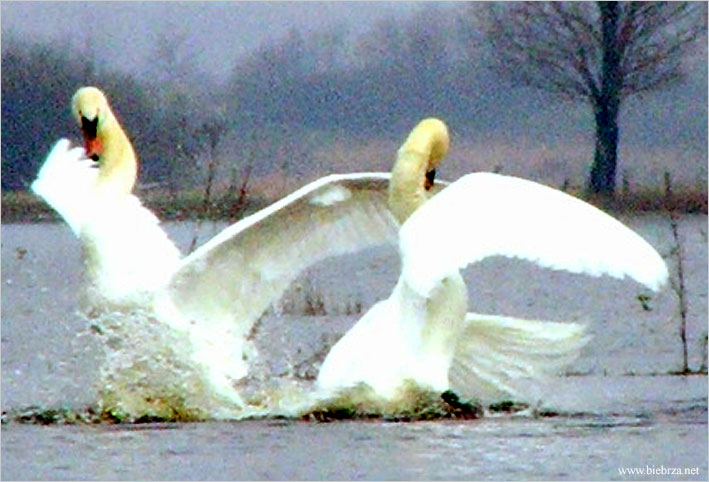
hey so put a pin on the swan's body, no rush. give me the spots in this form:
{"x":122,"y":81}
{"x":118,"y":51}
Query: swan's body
{"x":217,"y":292}
{"x":423,"y":333}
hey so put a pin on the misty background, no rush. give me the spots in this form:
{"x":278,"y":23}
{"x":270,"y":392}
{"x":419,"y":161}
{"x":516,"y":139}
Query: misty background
{"x":279,"y":94}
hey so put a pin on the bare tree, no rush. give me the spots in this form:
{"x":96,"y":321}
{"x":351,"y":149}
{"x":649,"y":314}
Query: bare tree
{"x":601,"y":52}
{"x":209,"y":135}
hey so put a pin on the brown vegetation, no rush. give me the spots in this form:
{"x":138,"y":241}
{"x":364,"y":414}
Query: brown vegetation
{"x":25,"y":207}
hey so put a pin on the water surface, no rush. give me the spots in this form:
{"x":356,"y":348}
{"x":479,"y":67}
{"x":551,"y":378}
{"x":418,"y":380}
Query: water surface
{"x":615,"y":408}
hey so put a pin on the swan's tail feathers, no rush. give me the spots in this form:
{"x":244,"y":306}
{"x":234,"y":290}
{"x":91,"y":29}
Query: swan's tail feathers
{"x":493,"y":351}
{"x":65,"y":181}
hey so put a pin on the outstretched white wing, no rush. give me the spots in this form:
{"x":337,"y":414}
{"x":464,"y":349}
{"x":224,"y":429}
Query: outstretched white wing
{"x":128,"y":253}
{"x":66,"y":182}
{"x":485,"y":214}
{"x":241,"y":271}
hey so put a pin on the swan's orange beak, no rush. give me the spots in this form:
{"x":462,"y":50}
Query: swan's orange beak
{"x":93,"y":148}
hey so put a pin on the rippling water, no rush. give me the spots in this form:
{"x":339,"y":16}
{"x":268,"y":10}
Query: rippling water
{"x":615,"y":408}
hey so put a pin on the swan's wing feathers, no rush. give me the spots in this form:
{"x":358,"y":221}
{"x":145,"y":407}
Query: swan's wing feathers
{"x":243,"y":270}
{"x":66,"y":182}
{"x":485,"y":214}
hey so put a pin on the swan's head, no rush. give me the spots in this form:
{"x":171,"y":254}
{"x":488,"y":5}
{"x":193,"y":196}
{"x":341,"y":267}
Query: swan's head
{"x":429,"y":139}
{"x":433,"y":132}
{"x":415,"y":170}
{"x":90,"y":109}
{"x":105,"y":141}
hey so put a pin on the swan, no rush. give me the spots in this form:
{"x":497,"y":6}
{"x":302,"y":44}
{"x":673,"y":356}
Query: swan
{"x":423,"y":333}
{"x":216,"y":293}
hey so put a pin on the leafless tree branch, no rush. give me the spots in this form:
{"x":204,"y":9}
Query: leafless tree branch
{"x":600,"y":52}
{"x":557,"y":46}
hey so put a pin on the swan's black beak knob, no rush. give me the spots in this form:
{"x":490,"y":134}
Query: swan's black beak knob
{"x":430,"y":177}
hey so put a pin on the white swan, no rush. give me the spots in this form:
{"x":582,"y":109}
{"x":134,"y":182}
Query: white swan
{"x":422,"y":332}
{"x":226,"y":284}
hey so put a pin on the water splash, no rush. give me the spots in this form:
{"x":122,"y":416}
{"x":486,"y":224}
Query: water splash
{"x":153,"y":371}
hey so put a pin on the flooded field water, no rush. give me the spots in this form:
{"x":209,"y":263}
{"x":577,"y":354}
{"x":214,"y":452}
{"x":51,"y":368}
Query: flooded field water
{"x":615,"y":414}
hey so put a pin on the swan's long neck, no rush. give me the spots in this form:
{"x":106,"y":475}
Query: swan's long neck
{"x":406,"y":190}
{"x":118,"y":167}
{"x":417,"y":159}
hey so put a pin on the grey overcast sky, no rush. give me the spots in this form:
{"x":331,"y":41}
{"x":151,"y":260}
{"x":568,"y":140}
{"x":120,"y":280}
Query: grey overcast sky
{"x":123,"y":34}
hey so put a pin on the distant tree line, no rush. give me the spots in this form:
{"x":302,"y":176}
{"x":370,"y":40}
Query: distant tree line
{"x":370,"y":85}
{"x":401,"y":71}
{"x":397,"y":72}
{"x":38,"y":82}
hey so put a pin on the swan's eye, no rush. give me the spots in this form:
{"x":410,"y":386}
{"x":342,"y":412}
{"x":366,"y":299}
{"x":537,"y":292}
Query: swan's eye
{"x":89,"y":127}
{"x":430,"y":178}
{"x":94,"y":157}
